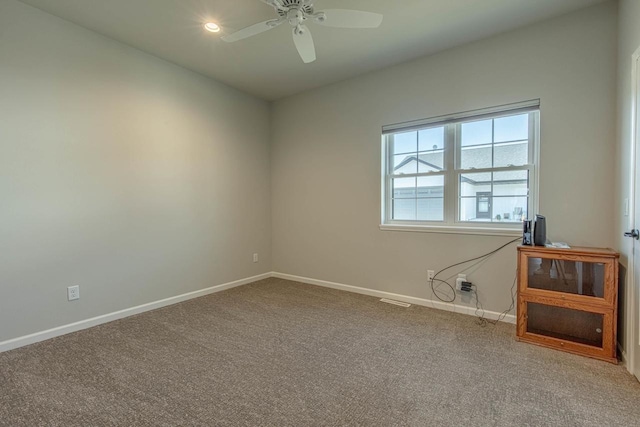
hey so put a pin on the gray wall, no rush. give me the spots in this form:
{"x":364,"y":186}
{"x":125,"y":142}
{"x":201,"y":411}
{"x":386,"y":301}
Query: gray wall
{"x":629,"y":41}
{"x":139,"y":180}
{"x":119,"y":172}
{"x":326,"y":155}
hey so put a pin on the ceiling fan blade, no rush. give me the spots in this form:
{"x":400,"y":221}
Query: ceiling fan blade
{"x":252,"y":30}
{"x":344,"y":18}
{"x":277,"y":4}
{"x":304,"y":43}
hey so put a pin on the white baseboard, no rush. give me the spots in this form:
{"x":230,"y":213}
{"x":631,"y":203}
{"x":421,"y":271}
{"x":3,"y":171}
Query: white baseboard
{"x":105,"y":318}
{"x":110,"y":317}
{"x":491,"y":315}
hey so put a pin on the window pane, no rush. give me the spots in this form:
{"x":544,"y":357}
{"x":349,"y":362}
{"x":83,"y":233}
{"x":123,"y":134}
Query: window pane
{"x":506,"y":201}
{"x":404,"y":209}
{"x":406,"y":142}
{"x":512,"y":128}
{"x":430,"y":203}
{"x":475,"y":208}
{"x":475,"y":157}
{"x":511,"y":154}
{"x":405,"y":164}
{"x":432,"y":161}
{"x":431,"y":186}
{"x":511,"y":183}
{"x":431,"y":139}
{"x":508,"y":135}
{"x":509,"y":209}
{"x":473,"y":183}
{"x":431,"y":209}
{"x":477,"y":133}
{"x":404,"y":188}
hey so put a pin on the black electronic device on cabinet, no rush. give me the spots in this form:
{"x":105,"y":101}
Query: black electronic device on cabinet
{"x":540,"y":231}
{"x":526,"y":233}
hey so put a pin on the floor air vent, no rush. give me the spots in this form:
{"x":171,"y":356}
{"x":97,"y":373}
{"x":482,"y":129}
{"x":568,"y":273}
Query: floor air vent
{"x":400,"y":303}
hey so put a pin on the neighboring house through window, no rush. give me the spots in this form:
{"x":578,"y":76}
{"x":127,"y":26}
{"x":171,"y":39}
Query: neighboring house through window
{"x":473,"y":170}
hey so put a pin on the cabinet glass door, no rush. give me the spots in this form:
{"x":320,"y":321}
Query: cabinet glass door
{"x":572,"y":277}
{"x":565,"y":324}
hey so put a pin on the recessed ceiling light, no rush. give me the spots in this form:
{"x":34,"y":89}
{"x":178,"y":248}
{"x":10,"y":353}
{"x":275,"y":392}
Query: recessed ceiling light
{"x":212,"y":27}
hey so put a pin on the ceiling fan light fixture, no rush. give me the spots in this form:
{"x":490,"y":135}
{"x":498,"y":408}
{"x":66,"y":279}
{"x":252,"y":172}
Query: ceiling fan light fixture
{"x":212,"y":27}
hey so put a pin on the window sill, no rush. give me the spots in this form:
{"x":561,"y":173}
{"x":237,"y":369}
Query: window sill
{"x":479,"y":231}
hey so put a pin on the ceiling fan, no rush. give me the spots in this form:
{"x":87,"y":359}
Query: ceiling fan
{"x":296,"y":13}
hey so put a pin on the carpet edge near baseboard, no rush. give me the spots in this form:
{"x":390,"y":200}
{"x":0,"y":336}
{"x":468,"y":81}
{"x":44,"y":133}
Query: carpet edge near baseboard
{"x":36,"y":337}
{"x":460,"y":309}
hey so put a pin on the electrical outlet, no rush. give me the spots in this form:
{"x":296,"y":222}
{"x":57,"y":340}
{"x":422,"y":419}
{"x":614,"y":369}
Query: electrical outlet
{"x":255,"y":257}
{"x":73,"y":293}
{"x":430,"y":274}
{"x":461,"y":278}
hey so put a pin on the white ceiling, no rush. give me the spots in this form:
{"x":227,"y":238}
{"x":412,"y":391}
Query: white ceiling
{"x":268,"y":65}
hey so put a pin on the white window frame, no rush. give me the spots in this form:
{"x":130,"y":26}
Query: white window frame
{"x":452,"y":148}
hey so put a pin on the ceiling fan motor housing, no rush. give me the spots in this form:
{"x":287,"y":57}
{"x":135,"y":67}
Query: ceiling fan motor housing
{"x":295,"y":4}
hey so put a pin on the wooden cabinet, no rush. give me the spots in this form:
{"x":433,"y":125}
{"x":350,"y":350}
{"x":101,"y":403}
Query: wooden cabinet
{"x":568,"y":299}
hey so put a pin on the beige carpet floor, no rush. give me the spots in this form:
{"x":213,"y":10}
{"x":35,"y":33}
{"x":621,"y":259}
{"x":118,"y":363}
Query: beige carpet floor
{"x":279,"y":353}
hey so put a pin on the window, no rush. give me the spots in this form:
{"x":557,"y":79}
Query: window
{"x":470,"y":171}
